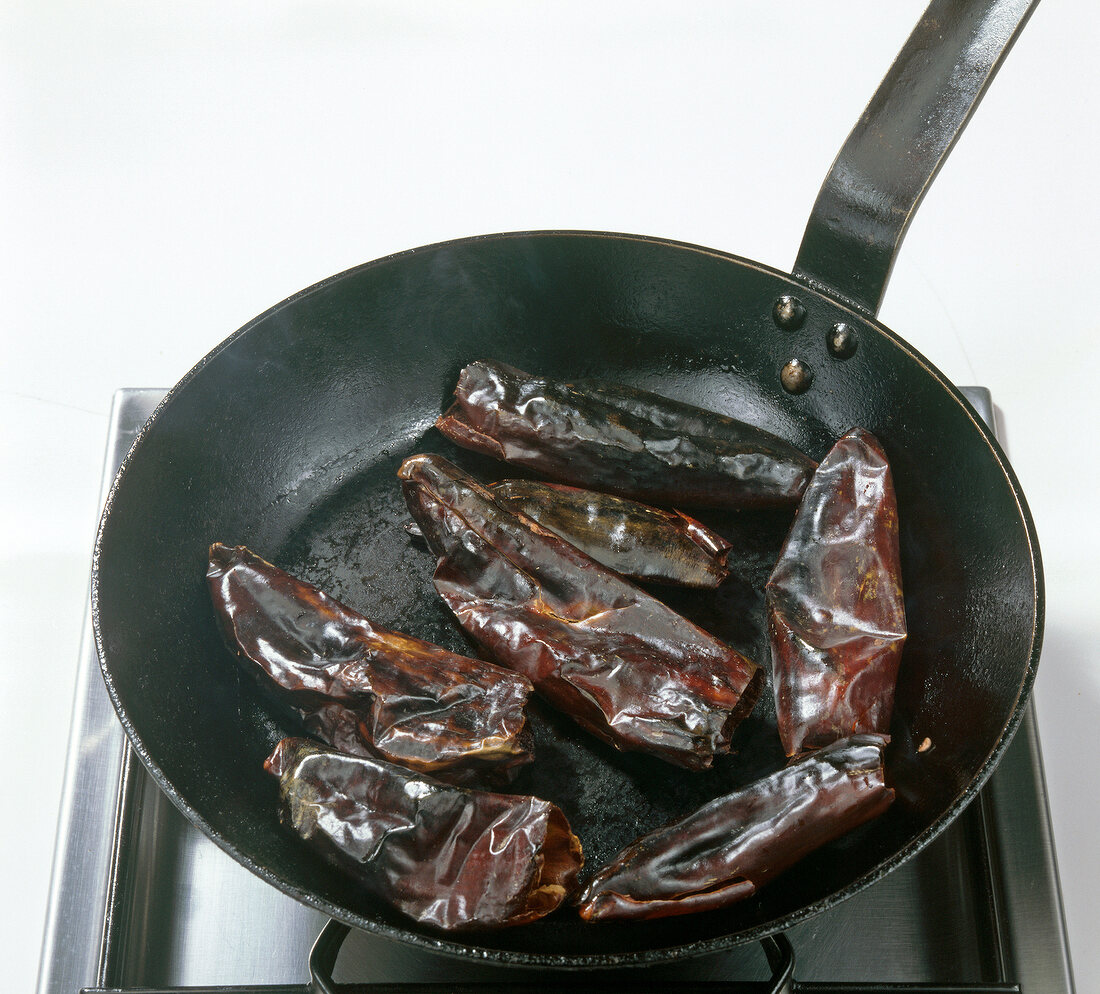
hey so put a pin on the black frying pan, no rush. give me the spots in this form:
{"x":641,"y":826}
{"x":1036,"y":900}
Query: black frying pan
{"x":287,"y":438}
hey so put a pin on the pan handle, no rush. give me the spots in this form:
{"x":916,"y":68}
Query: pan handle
{"x":899,"y":143}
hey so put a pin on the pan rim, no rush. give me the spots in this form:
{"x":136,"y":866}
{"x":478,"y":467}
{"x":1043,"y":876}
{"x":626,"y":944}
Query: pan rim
{"x":650,"y":956}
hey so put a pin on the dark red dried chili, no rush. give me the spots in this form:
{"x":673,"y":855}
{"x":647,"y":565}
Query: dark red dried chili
{"x":732,"y":846}
{"x":836,"y":615}
{"x":365,"y":689}
{"x":625,"y":666}
{"x":636,"y":540}
{"x":443,"y":855}
{"x":623,"y":440}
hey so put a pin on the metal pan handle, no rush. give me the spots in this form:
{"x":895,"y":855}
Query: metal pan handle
{"x":899,"y":143}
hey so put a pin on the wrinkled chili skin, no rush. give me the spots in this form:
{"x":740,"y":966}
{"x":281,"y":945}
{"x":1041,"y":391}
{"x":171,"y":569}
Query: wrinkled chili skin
{"x":346,"y":727}
{"x":365,"y":689}
{"x":622,"y":440}
{"x":622,"y":664}
{"x":731,"y":847}
{"x":639,"y":541}
{"x":836,"y":615}
{"x":443,"y":855}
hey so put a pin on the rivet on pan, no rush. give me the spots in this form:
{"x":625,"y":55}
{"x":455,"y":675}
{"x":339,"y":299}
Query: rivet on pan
{"x":796,"y":376}
{"x":842,"y":341}
{"x":788,"y":313}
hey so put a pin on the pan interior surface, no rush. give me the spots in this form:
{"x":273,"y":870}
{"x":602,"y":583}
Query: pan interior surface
{"x":288,"y":437}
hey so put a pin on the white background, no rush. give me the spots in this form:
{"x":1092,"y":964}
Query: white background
{"x":168,"y":170}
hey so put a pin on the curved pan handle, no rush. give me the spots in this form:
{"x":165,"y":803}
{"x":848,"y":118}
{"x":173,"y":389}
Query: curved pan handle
{"x":899,"y":143}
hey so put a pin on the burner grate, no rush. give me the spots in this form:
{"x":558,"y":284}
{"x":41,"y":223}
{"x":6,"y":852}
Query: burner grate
{"x":779,"y":952}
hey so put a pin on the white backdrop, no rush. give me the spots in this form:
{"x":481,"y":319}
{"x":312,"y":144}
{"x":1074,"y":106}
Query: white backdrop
{"x":168,"y":170}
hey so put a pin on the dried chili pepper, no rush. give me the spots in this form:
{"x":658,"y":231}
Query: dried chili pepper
{"x":365,"y":689}
{"x":625,"y":666}
{"x":636,"y":540}
{"x":443,"y":855}
{"x":732,"y":846}
{"x":836,"y":615}
{"x":627,"y":441}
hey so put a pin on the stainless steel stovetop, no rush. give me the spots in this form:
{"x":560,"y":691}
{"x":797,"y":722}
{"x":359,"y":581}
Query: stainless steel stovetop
{"x":140,"y":900}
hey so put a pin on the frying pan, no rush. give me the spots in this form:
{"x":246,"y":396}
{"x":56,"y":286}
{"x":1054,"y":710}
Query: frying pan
{"x":287,"y":438}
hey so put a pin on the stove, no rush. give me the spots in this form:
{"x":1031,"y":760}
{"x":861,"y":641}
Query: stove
{"x":141,"y":901}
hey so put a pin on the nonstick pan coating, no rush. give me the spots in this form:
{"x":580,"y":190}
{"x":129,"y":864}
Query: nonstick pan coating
{"x":287,"y":439}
